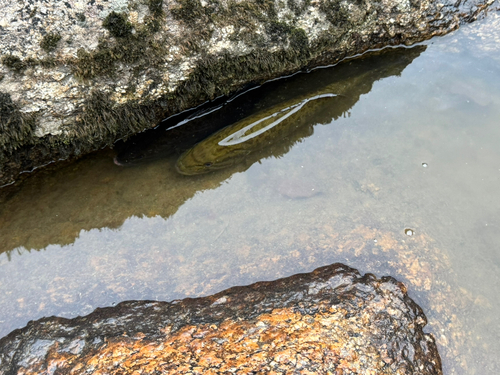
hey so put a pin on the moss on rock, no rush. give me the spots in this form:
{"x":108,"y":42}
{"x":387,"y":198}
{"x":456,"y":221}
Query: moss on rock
{"x":15,"y":128}
{"x":14,"y":63}
{"x":49,"y":42}
{"x":95,"y":63}
{"x":299,"y":42}
{"x":130,"y":46}
{"x":334,"y":12}
{"x":298,"y":7}
{"x":155,"y":7}
{"x":80,"y":17}
{"x":102,"y":121}
{"x":117,"y":25}
{"x":135,"y":49}
{"x":190,"y":12}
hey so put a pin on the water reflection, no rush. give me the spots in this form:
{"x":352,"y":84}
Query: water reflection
{"x":234,"y":143}
{"x":53,"y":208}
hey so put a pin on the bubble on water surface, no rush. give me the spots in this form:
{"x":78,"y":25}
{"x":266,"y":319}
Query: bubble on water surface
{"x":425,"y":165}
{"x":409,"y":232}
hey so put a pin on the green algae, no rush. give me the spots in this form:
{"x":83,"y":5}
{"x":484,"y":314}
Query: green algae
{"x":49,"y":42}
{"x":154,"y":20}
{"x":102,"y":122}
{"x":156,"y":7}
{"x":95,"y":63}
{"x":298,"y":8}
{"x":334,"y":12}
{"x":15,"y":127}
{"x":14,"y":63}
{"x":117,"y":25}
{"x":80,"y":17}
{"x":131,"y":50}
{"x":189,"y":11}
{"x":299,"y":41}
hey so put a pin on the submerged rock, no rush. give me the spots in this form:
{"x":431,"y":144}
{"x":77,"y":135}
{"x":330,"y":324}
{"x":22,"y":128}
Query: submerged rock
{"x":76,"y":78}
{"x":331,"y":320}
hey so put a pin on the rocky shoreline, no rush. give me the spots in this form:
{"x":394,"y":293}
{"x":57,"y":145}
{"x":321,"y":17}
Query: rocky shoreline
{"x":77,"y":78}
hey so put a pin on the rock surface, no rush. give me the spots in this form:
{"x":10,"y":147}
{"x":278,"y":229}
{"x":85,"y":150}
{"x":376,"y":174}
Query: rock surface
{"x":332,"y":320}
{"x":77,"y":76}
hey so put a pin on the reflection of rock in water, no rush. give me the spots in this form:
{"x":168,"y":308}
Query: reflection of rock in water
{"x":352,"y":78}
{"x":234,"y":143}
{"x":96,"y":194}
{"x":278,"y":123}
{"x":332,"y":319}
{"x":177,"y":133}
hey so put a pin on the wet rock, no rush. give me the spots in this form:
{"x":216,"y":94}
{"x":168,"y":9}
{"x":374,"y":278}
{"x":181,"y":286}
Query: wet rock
{"x":331,"y":320}
{"x":77,"y":77}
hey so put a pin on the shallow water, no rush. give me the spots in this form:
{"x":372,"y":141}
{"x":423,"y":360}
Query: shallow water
{"x":412,"y":144}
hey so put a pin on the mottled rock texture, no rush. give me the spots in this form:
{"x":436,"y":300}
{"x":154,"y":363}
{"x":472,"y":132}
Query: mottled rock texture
{"x":332,"y":320}
{"x":76,"y":76}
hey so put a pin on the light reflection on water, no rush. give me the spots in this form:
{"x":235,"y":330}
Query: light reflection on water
{"x":344,"y":192}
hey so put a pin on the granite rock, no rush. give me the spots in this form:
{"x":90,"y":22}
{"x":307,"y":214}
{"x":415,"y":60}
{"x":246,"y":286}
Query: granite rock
{"x":332,"y":320}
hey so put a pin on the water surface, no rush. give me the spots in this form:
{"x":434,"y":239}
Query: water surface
{"x":411,"y":147}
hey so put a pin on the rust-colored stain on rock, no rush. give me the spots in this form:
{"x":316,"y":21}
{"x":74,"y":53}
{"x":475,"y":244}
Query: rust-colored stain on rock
{"x":331,"y":321}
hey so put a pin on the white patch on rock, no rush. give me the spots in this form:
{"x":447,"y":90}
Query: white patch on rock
{"x":220,"y":39}
{"x":48,"y":124}
{"x":142,"y":11}
{"x":313,"y":23}
{"x":117,"y":6}
{"x":220,"y":42}
{"x":285,"y":14}
{"x":179,"y":73}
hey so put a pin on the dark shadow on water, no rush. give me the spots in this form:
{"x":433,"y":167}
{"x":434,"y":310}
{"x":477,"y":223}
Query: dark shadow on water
{"x":94,"y":192}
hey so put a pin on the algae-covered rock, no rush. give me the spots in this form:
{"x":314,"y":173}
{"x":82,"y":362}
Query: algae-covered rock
{"x":332,"y":320}
{"x":78,"y":76}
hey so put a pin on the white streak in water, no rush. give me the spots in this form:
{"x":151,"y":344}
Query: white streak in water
{"x":240,"y":137}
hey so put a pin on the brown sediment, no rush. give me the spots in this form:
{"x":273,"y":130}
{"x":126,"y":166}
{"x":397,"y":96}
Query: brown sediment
{"x":332,"y":320}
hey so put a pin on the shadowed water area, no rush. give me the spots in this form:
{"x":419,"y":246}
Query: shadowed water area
{"x":397,"y":174}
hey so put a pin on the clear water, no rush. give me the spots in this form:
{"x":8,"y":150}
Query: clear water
{"x":400,"y":177}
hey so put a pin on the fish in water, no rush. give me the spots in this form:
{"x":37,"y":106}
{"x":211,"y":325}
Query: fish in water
{"x":232,"y":144}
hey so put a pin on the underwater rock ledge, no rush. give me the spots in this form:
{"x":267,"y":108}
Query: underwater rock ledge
{"x":76,"y":78}
{"x":332,"y":320}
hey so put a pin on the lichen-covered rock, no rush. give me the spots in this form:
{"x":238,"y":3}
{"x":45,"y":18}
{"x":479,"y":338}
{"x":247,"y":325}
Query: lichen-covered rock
{"x":76,"y":76}
{"x":332,"y":320}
